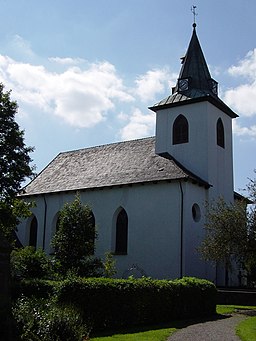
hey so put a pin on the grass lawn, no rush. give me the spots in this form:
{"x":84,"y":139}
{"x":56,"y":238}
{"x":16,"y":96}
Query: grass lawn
{"x":229,"y":309}
{"x":246,"y":330}
{"x":149,"y":335}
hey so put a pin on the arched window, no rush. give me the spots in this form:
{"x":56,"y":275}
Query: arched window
{"x":180,"y":130}
{"x":91,"y":235}
{"x":33,"y":232}
{"x":121,"y":232}
{"x":220,"y":133}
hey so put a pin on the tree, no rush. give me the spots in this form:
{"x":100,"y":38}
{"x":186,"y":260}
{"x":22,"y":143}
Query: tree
{"x":14,"y":155}
{"x":226,"y":239}
{"x":14,"y":165}
{"x":250,"y":262}
{"x":74,"y":239}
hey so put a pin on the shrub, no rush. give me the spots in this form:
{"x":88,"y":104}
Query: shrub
{"x":114,"y":303}
{"x":28,"y":262}
{"x":38,"y":288}
{"x":109,"y":303}
{"x":74,"y":240}
{"x":40,"y":319}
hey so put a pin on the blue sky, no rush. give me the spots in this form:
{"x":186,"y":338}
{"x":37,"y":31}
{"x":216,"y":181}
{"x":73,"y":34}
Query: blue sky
{"x":84,"y":72}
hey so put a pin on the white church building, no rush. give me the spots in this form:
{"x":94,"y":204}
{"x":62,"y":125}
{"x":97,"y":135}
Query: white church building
{"x":148,"y":195}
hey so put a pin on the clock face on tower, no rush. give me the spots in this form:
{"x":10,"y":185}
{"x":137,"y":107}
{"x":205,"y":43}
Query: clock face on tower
{"x":183,"y":84}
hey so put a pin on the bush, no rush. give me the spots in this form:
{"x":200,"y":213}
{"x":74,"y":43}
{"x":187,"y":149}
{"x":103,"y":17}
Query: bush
{"x":38,"y":288}
{"x":28,"y":262}
{"x":40,"y":319}
{"x":109,"y":303}
{"x":114,"y":303}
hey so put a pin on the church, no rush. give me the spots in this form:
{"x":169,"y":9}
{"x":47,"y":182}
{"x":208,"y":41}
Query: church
{"x":148,"y":196}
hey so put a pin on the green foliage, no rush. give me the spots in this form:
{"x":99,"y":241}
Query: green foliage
{"x":28,"y":262}
{"x":41,"y":319}
{"x":14,"y":155}
{"x":74,"y":239}
{"x":114,"y":303}
{"x":250,"y":261}
{"x":34,"y":288}
{"x":109,"y":265}
{"x":14,"y":166}
{"x":226,"y":233}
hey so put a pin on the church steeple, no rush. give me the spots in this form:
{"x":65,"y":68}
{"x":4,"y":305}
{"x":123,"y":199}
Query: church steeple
{"x":194,"y":74}
{"x":194,"y":83}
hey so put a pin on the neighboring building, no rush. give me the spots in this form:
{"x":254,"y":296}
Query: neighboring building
{"x":148,"y":196}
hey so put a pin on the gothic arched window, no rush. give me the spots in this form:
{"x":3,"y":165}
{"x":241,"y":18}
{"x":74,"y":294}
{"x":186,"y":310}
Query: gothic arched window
{"x":91,"y":235}
{"x":220,"y":133}
{"x":121,"y":232}
{"x":180,"y":130}
{"x":33,"y":232}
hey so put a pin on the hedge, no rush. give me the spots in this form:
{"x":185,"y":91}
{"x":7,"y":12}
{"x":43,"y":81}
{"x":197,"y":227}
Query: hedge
{"x":113,"y":303}
{"x":39,"y":288}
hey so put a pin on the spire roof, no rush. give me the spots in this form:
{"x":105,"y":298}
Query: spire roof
{"x":194,"y":68}
{"x":194,"y":83}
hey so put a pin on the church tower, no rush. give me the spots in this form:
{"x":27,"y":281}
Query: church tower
{"x":194,"y":126}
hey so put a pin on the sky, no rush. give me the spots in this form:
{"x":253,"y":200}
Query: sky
{"x":84,"y":72}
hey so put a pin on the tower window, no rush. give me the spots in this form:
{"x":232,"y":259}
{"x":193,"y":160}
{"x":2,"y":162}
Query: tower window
{"x":33,"y":232}
{"x":220,"y":134}
{"x":180,"y":130}
{"x":121,"y":232}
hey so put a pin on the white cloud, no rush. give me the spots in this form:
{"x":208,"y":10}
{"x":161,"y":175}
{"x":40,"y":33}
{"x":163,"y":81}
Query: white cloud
{"x":246,"y":67}
{"x":244,"y":131}
{"x":67,"y":60}
{"x":81,"y":97}
{"x":19,"y":46}
{"x":243,"y":97}
{"x":139,"y":125}
{"x":152,"y":83}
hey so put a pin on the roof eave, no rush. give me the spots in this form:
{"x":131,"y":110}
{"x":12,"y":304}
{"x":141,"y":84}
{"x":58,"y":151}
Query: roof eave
{"x":217,"y":102}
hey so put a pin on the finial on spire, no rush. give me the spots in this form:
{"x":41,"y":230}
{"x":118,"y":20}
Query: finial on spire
{"x":193,"y":10}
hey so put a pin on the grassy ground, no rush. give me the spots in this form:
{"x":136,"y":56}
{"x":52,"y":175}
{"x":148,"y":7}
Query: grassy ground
{"x":149,"y":335}
{"x":246,"y":331}
{"x":229,"y":309}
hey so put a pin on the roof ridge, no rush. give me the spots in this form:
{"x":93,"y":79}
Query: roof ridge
{"x":106,"y":144}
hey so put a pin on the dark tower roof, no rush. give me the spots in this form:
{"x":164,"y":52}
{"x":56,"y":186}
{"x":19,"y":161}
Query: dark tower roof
{"x":194,"y":83}
{"x":194,"y":68}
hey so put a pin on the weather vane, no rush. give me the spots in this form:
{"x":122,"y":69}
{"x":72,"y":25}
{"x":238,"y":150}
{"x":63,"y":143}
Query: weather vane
{"x":193,"y":10}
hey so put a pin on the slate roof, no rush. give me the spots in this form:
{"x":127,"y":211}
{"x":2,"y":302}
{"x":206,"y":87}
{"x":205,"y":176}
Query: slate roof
{"x":115,"y":164}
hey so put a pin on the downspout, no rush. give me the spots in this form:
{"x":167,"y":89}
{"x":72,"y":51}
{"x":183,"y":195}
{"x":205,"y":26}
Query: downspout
{"x":45,"y":217}
{"x":181,"y":228}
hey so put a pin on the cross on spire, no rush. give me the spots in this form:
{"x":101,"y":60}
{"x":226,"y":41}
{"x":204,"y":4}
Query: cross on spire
{"x":193,"y":10}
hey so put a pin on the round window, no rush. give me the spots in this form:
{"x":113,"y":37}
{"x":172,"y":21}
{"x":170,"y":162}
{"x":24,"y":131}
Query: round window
{"x":196,"y":212}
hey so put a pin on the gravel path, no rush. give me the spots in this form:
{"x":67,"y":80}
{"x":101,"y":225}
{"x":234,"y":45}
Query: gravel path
{"x":218,"y":330}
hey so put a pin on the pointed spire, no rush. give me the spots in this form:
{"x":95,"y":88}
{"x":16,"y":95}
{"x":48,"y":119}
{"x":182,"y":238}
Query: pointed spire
{"x":194,"y":83}
{"x":194,"y":74}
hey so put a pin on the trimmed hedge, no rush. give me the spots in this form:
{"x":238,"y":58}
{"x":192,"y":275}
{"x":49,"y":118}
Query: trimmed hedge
{"x":113,"y":303}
